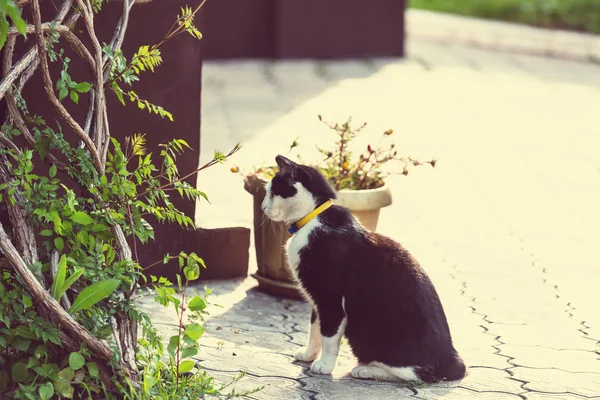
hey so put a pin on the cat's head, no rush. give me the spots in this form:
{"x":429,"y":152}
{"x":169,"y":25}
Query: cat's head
{"x":295,"y":191}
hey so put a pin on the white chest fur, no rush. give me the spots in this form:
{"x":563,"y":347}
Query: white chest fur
{"x":298,"y":242}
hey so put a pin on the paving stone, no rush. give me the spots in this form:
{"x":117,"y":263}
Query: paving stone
{"x":555,"y":338}
{"x":489,"y":380}
{"x":543,"y":357}
{"x":348,"y":388}
{"x":272,"y":387}
{"x":549,"y":396}
{"x":557,"y":381}
{"x":454,"y":393}
{"x":256,"y":360}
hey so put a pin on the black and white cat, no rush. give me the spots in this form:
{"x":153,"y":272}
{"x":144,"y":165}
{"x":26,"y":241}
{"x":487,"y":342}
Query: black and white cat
{"x":362,"y":285}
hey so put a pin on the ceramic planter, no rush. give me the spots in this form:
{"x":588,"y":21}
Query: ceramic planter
{"x":365,"y":204}
{"x":270,"y":237}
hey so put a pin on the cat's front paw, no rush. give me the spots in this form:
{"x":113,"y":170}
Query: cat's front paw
{"x":306,"y":354}
{"x":322,"y":367}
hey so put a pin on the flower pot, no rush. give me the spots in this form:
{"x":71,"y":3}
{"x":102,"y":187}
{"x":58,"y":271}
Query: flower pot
{"x":365,"y":204}
{"x":270,"y":237}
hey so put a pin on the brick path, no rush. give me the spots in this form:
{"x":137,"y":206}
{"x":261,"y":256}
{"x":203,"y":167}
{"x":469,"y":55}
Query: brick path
{"x":507,"y":225}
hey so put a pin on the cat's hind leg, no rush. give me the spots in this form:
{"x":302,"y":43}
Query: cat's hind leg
{"x":366,"y":371}
{"x":400,"y":373}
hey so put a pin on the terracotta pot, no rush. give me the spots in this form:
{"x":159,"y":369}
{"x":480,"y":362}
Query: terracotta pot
{"x":273,"y":274}
{"x":270,"y":237}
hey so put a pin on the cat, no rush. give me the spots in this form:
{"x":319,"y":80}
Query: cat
{"x":360,"y":284}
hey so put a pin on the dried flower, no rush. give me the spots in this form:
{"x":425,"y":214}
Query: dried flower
{"x":405,"y":171}
{"x":371,"y":151}
{"x":432,"y":162}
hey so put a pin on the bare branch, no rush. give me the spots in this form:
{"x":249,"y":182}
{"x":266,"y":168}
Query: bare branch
{"x":48,"y":86}
{"x":99,"y":106}
{"x":31,"y":55}
{"x":14,"y":73}
{"x":11,"y":104}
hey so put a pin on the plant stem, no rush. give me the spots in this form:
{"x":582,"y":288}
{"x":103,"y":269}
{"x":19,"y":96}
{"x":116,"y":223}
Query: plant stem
{"x":182,"y":306}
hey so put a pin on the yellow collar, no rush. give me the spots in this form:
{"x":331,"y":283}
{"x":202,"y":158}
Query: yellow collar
{"x":297,"y":225}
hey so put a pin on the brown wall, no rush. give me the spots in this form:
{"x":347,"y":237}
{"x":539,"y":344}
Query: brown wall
{"x":318,"y":29}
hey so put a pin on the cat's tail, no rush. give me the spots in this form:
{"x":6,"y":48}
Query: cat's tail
{"x":450,"y":369}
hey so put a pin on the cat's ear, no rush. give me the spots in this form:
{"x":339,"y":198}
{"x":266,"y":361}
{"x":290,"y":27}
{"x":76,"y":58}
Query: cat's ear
{"x":286,"y":165}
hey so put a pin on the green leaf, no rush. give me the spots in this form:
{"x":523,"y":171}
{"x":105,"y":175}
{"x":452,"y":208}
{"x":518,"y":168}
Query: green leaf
{"x":74,"y":96}
{"x":20,"y":373}
{"x":3,"y":29}
{"x":20,"y":343}
{"x":186,"y":366}
{"x":52,"y":171}
{"x":46,"y":370}
{"x":46,"y":232}
{"x":191,"y":272}
{"x":99,"y":228}
{"x":64,"y":388}
{"x":67,"y":373}
{"x":27,"y":300}
{"x":46,"y":391}
{"x":197,"y":304}
{"x":81,"y":218}
{"x":70,"y":281}
{"x":25,"y":332}
{"x":93,"y":294}
{"x":93,"y":369}
{"x":59,"y":243}
{"x":76,"y":361}
{"x":59,"y":279}
{"x":64,"y":92}
{"x":83,"y":87}
{"x":194,"y":331}
{"x":189,"y":352}
{"x":173,"y":344}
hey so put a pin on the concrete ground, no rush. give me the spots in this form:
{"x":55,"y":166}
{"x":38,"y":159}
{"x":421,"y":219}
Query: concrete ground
{"x":507,"y":225}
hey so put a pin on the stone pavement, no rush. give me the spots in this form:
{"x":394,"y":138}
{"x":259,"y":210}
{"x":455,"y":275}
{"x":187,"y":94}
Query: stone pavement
{"x":507,"y":225}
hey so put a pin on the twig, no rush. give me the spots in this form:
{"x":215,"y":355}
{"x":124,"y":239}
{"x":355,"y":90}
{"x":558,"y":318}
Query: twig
{"x":207,"y":165}
{"x":7,"y":142}
{"x":119,"y":35}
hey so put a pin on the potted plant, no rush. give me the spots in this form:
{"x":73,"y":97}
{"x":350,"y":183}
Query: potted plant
{"x":360,"y":186}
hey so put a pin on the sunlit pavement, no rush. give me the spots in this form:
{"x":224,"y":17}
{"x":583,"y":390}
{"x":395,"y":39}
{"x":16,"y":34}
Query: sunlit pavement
{"x":506,"y":225}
